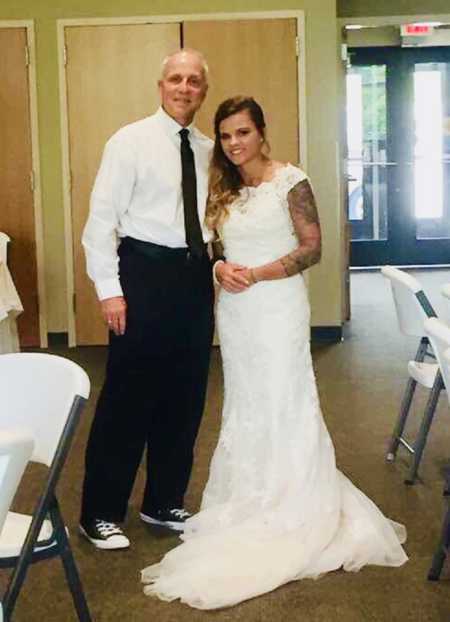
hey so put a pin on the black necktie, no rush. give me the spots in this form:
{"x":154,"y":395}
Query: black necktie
{"x":194,"y":237}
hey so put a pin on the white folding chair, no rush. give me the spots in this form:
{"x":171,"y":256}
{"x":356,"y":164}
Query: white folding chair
{"x":443,"y":547}
{"x":413,"y":308}
{"x":44,"y":394}
{"x":16,"y":447}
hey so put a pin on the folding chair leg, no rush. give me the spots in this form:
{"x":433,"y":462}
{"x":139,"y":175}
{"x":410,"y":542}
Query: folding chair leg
{"x":76,"y":588}
{"x":406,"y":403}
{"x":401,"y":421}
{"x":20,"y":569}
{"x":422,"y":435}
{"x":437,"y":564}
{"x":441,"y":551}
{"x":70,"y":568}
{"x":12,"y":591}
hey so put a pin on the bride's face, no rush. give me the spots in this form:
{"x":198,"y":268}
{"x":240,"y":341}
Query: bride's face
{"x":240,"y":138}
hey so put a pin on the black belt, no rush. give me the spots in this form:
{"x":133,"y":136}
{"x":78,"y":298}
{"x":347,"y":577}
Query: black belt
{"x":156,"y":251}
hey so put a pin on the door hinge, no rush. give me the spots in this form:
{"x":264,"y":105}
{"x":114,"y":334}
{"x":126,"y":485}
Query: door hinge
{"x":27,"y":56}
{"x":32,"y":184}
{"x":297,"y":46}
{"x":65,"y":55}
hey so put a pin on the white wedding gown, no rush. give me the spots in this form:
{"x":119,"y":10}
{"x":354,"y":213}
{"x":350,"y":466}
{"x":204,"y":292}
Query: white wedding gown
{"x":275,"y":507}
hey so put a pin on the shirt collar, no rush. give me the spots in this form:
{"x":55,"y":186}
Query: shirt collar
{"x":170,"y":125}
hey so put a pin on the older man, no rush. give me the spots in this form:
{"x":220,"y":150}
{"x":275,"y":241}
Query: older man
{"x":146,"y":253}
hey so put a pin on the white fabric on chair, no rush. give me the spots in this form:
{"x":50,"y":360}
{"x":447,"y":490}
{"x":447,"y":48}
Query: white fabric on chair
{"x":423,"y":373}
{"x":10,"y":304}
{"x":14,"y":533}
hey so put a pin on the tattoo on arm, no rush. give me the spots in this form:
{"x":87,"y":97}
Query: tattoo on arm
{"x":217,"y":248}
{"x":302,"y":203}
{"x":295,"y":263}
{"x":305,"y":219}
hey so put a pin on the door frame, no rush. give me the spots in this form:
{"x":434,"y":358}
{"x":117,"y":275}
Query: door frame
{"x":378,"y":21}
{"x":35,"y":180}
{"x":62,"y":24}
{"x":402,"y":245}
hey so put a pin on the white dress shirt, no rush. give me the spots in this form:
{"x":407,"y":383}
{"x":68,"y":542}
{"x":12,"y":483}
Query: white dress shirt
{"x":138,"y":193}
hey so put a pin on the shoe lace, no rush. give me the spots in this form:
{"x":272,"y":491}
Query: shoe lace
{"x":180,"y":513}
{"x":107,"y":529}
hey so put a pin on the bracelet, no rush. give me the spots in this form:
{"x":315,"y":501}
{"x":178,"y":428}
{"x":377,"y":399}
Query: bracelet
{"x":253,"y":277}
{"x":215,"y":279}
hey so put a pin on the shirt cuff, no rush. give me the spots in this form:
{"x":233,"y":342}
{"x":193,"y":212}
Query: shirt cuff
{"x":214,"y":270}
{"x":108,"y":288}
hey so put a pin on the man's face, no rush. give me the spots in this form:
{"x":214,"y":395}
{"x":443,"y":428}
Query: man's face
{"x":183,"y":87}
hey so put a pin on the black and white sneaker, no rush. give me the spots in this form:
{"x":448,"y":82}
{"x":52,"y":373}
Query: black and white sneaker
{"x":172,"y":518}
{"x":104,"y":534}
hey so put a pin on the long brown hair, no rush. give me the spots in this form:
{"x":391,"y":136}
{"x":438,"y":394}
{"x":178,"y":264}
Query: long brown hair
{"x":225,"y":181}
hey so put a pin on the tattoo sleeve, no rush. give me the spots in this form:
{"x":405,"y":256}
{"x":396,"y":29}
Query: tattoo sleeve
{"x":305,"y":219}
{"x":305,"y":222}
{"x":217,"y":251}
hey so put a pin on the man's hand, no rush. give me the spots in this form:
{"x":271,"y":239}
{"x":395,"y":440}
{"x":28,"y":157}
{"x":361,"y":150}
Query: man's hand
{"x":114,"y":311}
{"x":232,"y":277}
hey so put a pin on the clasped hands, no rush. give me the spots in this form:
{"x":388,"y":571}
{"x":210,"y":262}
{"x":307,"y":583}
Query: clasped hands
{"x":234,"y":277}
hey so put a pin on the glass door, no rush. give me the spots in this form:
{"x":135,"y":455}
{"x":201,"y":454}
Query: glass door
{"x":398,"y":134}
{"x":432,"y":150}
{"x":366,"y":140}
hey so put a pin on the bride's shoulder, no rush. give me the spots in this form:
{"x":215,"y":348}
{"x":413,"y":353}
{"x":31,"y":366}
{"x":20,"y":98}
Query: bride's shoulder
{"x":295,"y":170}
{"x":289,"y":175}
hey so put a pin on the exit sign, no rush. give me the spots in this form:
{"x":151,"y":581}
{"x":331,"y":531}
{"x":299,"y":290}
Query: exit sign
{"x":416,"y":30}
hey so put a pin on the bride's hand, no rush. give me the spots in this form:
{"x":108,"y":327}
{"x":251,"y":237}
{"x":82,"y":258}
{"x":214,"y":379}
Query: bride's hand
{"x":232,"y":277}
{"x":249,"y":275}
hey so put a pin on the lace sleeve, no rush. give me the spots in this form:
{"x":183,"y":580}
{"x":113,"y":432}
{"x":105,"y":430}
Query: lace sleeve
{"x":305,"y":221}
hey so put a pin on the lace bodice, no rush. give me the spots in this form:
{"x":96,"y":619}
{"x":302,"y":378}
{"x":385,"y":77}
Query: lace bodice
{"x":259,"y":228}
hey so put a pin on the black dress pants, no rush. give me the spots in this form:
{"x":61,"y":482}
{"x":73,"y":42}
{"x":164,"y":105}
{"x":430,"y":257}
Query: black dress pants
{"x":155,"y":385}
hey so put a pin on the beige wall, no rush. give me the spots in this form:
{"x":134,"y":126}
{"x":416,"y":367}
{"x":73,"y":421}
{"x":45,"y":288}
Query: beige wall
{"x":368,"y":37}
{"x":322,"y":120}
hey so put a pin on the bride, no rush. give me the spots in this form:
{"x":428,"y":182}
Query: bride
{"x":275,"y":508}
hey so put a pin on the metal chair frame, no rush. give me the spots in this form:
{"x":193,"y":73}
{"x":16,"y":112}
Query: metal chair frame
{"x":443,"y":548}
{"x":47,"y":507}
{"x":421,"y":309}
{"x":439,"y":334}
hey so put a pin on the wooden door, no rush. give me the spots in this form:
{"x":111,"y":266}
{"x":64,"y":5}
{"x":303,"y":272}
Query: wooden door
{"x":111,"y":75}
{"x":257,"y":58}
{"x":16,"y":193}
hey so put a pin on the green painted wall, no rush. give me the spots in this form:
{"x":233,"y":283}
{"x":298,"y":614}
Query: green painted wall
{"x":322,"y":118}
{"x":369,"y":8}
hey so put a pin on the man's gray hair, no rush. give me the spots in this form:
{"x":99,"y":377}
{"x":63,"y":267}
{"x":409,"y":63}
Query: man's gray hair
{"x":192,"y":51}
